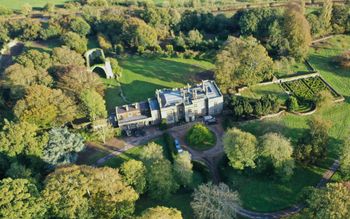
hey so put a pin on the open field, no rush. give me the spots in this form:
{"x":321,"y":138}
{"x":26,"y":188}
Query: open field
{"x":263,"y":194}
{"x":17,"y":4}
{"x":256,"y":92}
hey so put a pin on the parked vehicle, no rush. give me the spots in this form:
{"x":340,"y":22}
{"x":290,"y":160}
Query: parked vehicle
{"x":178,"y":146}
{"x":209,"y":120}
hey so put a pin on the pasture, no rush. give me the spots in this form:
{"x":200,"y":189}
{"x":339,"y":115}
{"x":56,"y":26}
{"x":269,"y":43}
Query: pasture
{"x":17,"y":4}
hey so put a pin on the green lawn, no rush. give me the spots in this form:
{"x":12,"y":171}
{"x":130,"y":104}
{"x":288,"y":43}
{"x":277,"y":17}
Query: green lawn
{"x":17,"y":4}
{"x":257,"y":92}
{"x":263,"y":194}
{"x":142,"y":76}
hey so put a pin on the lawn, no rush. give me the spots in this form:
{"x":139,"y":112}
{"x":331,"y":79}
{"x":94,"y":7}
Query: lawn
{"x":263,"y":194}
{"x":17,"y":4}
{"x":256,"y":92}
{"x":142,"y":76}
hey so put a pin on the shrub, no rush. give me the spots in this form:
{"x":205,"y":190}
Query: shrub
{"x":163,"y":125}
{"x":292,"y":104}
{"x":200,"y":137}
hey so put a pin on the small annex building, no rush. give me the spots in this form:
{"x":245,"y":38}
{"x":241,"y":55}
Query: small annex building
{"x":173,"y":105}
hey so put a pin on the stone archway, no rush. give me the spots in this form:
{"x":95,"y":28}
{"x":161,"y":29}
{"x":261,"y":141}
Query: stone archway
{"x":105,"y":64}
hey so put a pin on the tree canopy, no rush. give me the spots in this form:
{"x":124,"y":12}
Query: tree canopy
{"x":134,"y":174}
{"x":161,"y":212}
{"x":242,"y":61}
{"x":62,"y":146}
{"x":240,"y":148}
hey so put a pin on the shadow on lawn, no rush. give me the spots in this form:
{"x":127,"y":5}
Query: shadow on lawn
{"x":165,"y":70}
{"x":327,"y":64}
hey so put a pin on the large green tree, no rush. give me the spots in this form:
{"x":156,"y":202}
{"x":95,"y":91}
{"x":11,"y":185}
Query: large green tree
{"x":95,"y":193}
{"x":75,"y":41}
{"x":34,"y":58}
{"x":94,"y":104}
{"x":332,"y":202}
{"x":242,"y":61}
{"x":45,"y":107}
{"x":19,"y":198}
{"x":183,"y":168}
{"x":62,"y":146}
{"x":134,"y":174}
{"x":240,"y":148}
{"x":277,"y":151}
{"x":215,"y":201}
{"x":21,"y":138}
{"x":326,"y":16}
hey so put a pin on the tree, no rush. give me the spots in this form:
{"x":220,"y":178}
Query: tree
{"x":94,"y":104}
{"x":324,"y":98}
{"x":200,"y":136}
{"x":62,"y":146}
{"x":104,"y":131}
{"x":80,"y":26}
{"x":64,"y":56}
{"x":137,"y":33}
{"x":240,"y":148}
{"x":18,"y":78}
{"x":297,"y":32}
{"x":74,"y":41}
{"x":161,"y":212}
{"x":313,"y":146}
{"x":242,"y":61}
{"x":26,"y":9}
{"x":76,"y":79}
{"x":326,"y":16}
{"x":183,"y":168}
{"x":20,"y":199}
{"x":35,"y":59}
{"x":117,"y":70}
{"x":215,"y":201}
{"x":331,"y":202}
{"x":49,"y":7}
{"x":96,"y":193}
{"x":194,"y":38}
{"x":134,"y":174}
{"x":152,"y":152}
{"x":104,"y":43}
{"x":340,"y":18}
{"x":292,"y":104}
{"x":160,"y":178}
{"x":45,"y":107}
{"x":21,"y":138}
{"x":277,"y":151}
{"x":345,"y":160}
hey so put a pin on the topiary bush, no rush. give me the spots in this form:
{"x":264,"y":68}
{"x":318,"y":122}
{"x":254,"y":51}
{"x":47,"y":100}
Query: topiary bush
{"x":200,"y":137}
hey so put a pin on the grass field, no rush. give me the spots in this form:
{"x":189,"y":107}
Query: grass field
{"x":142,"y":76}
{"x":263,"y":194}
{"x":256,"y":92}
{"x":17,"y":4}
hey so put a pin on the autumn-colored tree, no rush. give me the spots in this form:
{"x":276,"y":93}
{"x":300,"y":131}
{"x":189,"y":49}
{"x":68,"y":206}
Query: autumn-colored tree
{"x":95,"y":193}
{"x":297,"y":32}
{"x":332,"y":202}
{"x":34,"y":58}
{"x":45,"y":107}
{"x":76,"y":79}
{"x":18,"y":78}
{"x":64,"y":56}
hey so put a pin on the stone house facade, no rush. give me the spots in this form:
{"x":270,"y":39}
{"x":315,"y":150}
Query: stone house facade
{"x":173,"y":105}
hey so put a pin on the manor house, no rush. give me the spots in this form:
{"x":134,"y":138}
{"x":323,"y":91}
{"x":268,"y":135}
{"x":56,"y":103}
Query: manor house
{"x":172,"y":105}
